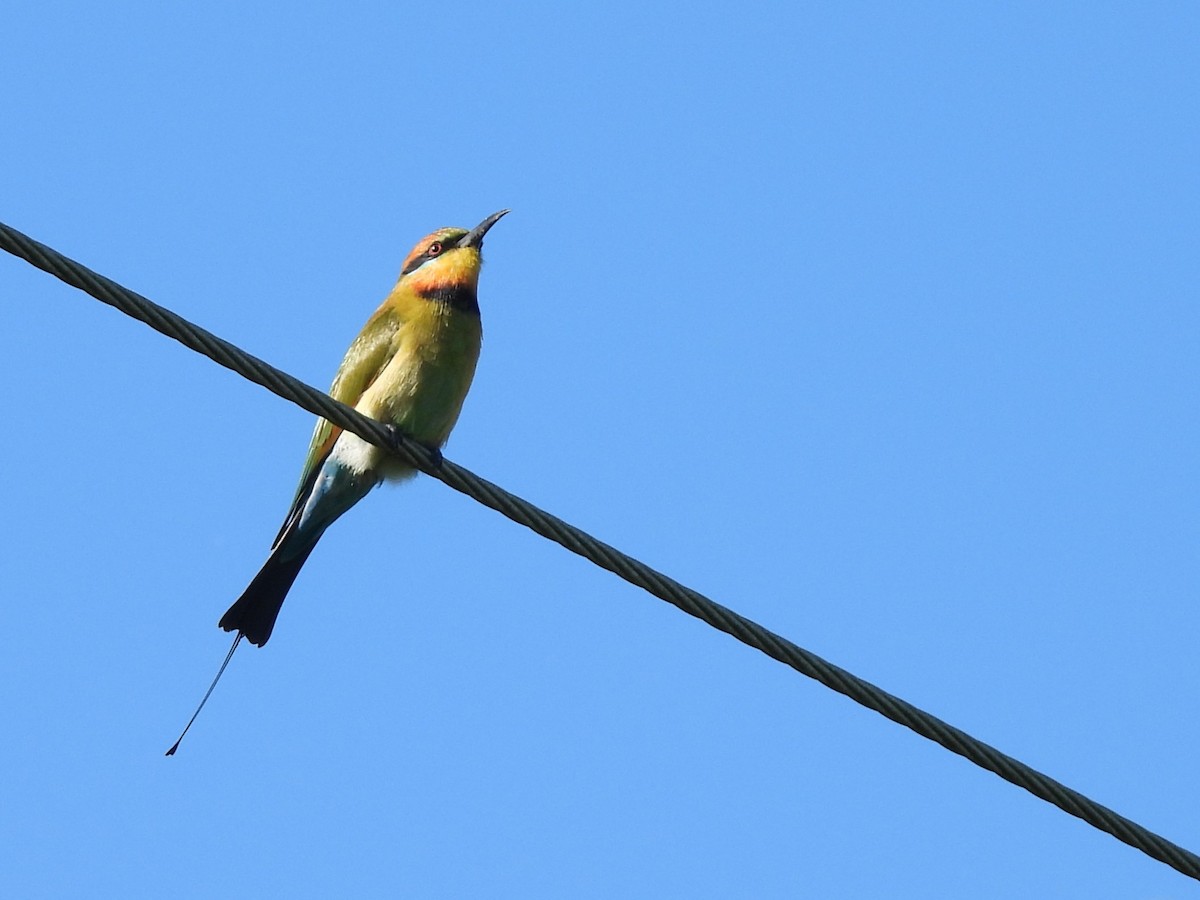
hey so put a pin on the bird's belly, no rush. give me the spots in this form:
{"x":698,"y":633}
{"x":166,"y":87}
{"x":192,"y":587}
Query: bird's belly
{"x":423,"y":400}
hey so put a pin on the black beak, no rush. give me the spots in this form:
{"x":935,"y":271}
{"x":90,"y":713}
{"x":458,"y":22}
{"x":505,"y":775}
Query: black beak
{"x":474,"y":237}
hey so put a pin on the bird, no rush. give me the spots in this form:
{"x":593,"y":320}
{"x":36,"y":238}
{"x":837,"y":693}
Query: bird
{"x":410,"y":368}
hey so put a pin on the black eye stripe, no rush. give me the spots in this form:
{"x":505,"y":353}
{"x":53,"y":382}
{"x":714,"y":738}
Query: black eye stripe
{"x":419,"y":261}
{"x":443,"y":245}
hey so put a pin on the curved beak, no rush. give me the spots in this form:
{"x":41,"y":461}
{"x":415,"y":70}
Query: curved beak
{"x":474,"y":237}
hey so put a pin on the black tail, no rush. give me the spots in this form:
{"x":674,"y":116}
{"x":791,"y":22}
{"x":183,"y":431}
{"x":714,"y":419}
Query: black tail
{"x":254,"y":613}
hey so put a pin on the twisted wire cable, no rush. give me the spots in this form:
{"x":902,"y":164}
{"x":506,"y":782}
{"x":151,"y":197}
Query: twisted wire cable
{"x":607,"y":557}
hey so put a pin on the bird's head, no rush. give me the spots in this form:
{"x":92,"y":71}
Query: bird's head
{"x":445,"y":264}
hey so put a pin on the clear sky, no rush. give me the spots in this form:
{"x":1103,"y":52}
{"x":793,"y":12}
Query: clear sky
{"x":875,"y":322}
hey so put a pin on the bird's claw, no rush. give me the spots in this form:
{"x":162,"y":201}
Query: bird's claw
{"x":400,"y":437}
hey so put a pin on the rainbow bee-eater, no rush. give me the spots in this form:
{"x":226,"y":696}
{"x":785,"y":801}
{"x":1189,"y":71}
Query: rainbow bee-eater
{"x":410,"y":367}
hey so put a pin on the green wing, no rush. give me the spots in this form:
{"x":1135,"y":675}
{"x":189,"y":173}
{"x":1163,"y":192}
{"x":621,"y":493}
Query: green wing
{"x":371,"y":351}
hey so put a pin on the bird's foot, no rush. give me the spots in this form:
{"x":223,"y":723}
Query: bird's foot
{"x":434,"y":452}
{"x":437,"y":459}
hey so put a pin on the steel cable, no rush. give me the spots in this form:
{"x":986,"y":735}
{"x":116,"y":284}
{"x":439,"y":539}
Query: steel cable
{"x":603,"y":555}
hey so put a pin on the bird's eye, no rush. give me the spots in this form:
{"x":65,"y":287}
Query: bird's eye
{"x":434,"y":249}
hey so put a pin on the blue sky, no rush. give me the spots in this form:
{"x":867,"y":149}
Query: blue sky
{"x":876,"y":324}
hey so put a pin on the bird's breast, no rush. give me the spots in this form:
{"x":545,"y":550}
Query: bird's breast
{"x":422,"y":388}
